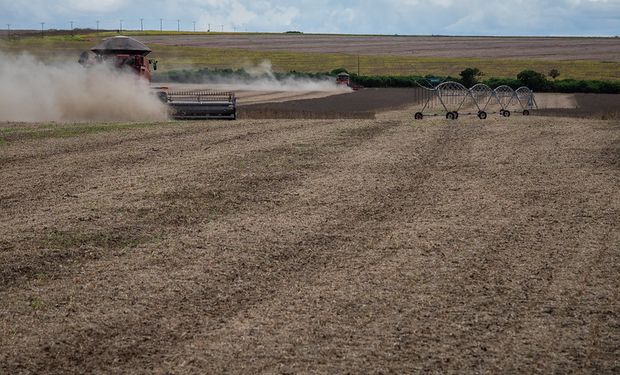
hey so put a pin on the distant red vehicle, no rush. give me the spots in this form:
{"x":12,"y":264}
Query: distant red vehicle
{"x":343,"y":79}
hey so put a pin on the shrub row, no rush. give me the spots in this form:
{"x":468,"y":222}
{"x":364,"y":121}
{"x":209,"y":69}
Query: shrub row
{"x":545,"y":85}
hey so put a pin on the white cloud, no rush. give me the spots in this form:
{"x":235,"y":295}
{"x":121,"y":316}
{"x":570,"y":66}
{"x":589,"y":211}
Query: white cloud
{"x":239,"y":14}
{"x":97,"y":6}
{"x":516,"y":17}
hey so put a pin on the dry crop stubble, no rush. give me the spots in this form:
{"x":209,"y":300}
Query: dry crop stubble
{"x":314,"y":245}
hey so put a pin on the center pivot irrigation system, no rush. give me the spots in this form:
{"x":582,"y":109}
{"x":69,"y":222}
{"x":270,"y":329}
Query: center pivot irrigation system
{"x":452,"y":99}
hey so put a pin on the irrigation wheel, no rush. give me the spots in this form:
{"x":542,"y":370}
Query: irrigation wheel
{"x":526,"y":112}
{"x":506,"y":113}
{"x":418,"y":116}
{"x":450,"y":116}
{"x":482,"y":115}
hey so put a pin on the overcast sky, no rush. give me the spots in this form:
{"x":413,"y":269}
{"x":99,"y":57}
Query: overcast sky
{"x":425,"y":17}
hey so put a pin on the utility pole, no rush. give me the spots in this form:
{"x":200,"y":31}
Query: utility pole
{"x":194,"y":25}
{"x":97,"y":26}
{"x":8,"y":30}
{"x":161,"y":24}
{"x":141,"y":24}
{"x":222,"y":28}
{"x":121,"y":26}
{"x":178,"y":26}
{"x":358,"y":65}
{"x":209,"y":28}
{"x":42,"y":29}
{"x":71,"y":22}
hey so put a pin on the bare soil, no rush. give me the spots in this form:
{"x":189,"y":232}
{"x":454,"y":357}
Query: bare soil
{"x":597,"y":106}
{"x":312,"y":246}
{"x":367,"y":103}
{"x":359,"y":104}
{"x":556,"y":101}
{"x":543,"y":48}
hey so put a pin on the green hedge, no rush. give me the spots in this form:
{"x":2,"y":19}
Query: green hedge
{"x":564,"y":85}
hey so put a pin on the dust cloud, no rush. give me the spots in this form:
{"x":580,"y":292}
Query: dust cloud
{"x":32,"y":91}
{"x":260,"y":77}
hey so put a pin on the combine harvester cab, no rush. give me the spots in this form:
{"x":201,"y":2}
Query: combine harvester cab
{"x":123,"y":53}
{"x":129,"y":54}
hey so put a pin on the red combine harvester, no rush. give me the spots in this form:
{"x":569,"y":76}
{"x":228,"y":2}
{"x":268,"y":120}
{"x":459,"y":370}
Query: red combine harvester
{"x":129,"y":54}
{"x":343,"y":79}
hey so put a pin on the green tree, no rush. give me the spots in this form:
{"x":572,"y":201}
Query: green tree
{"x":469,"y":76}
{"x":534,"y":80}
{"x":554,"y":73}
{"x":338,"y":71}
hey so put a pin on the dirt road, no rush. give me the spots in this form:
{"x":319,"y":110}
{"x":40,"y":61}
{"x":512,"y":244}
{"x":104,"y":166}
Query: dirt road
{"x":330,"y":246}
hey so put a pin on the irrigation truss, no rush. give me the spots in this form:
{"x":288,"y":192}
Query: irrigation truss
{"x":453,"y":99}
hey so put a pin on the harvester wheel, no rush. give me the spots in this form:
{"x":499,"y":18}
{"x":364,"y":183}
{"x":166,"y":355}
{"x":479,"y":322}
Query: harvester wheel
{"x":418,"y":116}
{"x":506,"y":113}
{"x":526,"y":112}
{"x":450,"y":116}
{"x":456,"y":115}
{"x":482,"y":115}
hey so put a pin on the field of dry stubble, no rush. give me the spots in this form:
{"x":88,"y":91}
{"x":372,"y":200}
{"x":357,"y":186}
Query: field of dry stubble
{"x":329,"y":246}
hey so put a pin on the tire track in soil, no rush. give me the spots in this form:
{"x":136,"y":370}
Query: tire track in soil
{"x":312,"y":262}
{"x":321,"y":264}
{"x":45,"y":260}
{"x":472,"y":310}
{"x":557,"y":253}
{"x":263,"y":301}
{"x":174,"y":297}
{"x":515,"y":296}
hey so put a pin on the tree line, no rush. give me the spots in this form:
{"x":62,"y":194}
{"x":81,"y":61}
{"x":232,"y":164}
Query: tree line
{"x":536,"y":81}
